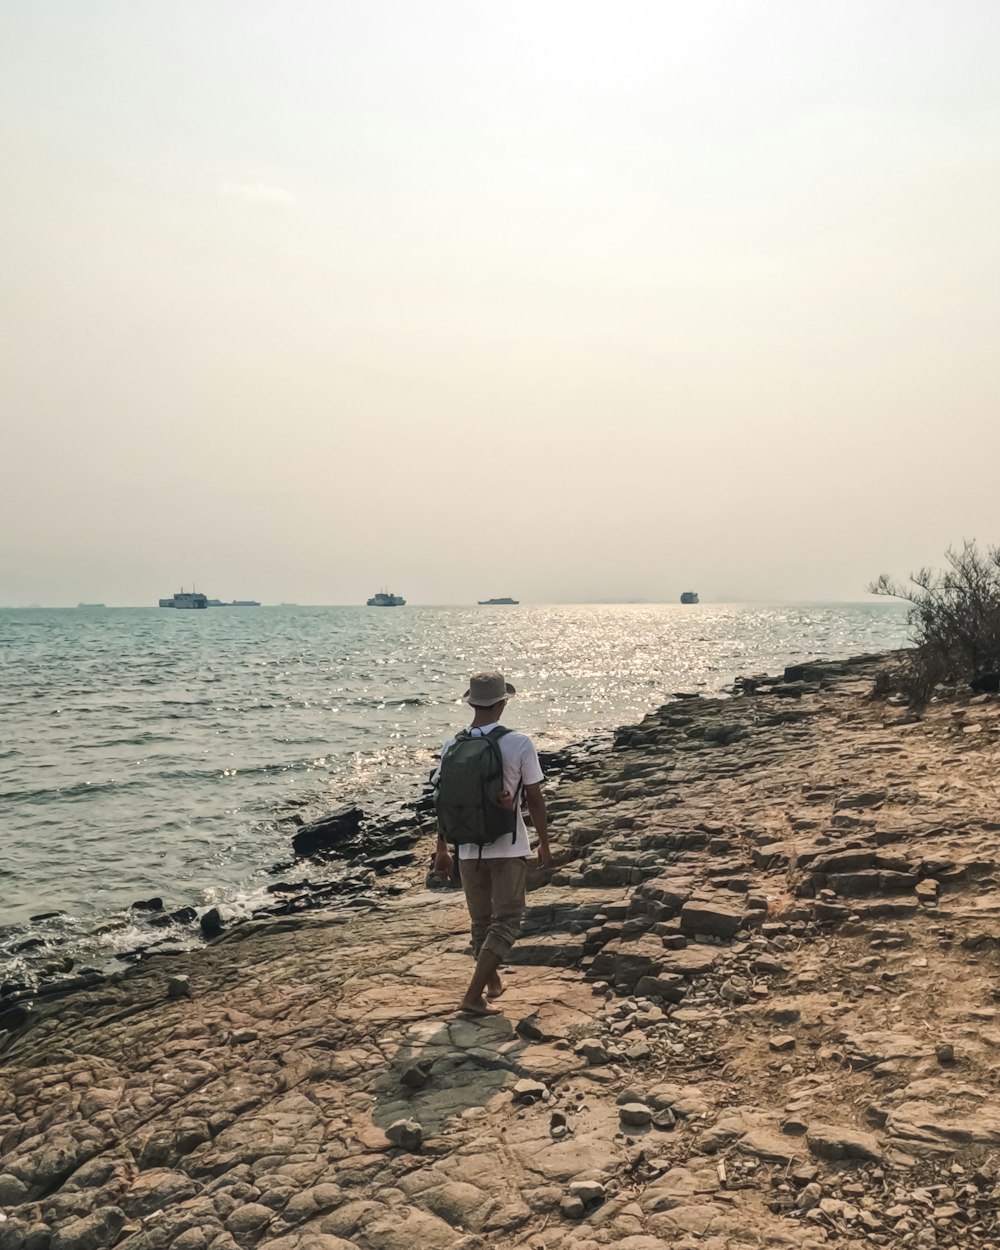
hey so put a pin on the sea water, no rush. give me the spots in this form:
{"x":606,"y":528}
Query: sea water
{"x":155,"y":752}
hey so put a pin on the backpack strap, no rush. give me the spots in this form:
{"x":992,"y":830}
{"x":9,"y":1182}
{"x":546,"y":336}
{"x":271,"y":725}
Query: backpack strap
{"x":495,"y":735}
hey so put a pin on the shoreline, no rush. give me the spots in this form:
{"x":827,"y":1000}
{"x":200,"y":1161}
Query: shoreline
{"x":90,"y":843}
{"x":377,"y":846}
{"x":754,"y":1006}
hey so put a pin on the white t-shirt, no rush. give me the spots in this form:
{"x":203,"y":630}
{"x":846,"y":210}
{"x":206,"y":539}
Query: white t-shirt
{"x":520,"y":768}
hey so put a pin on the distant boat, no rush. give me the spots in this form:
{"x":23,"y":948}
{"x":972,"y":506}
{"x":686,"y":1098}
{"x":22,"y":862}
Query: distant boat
{"x":486,"y":602}
{"x":242,"y":603}
{"x":90,"y":605}
{"x":689,"y":596}
{"x":186,"y":599}
{"x":385,"y":599}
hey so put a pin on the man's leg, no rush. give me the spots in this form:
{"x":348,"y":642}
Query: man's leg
{"x":508,"y":879}
{"x":478,"y":899}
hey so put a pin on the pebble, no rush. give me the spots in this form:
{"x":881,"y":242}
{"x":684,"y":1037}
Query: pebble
{"x":635,"y":1114}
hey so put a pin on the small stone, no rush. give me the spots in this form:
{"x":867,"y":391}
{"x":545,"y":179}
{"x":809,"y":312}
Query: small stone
{"x":945,"y":1053}
{"x":242,"y":1036}
{"x":528,"y":1027}
{"x":529,"y":1091}
{"x":635,"y":1114}
{"x":593,"y":1050}
{"x":590,"y":1193}
{"x":571,"y":1207}
{"x":809,"y":1197}
{"x":406,"y":1134}
{"x":415,"y":1075}
{"x":179,"y":987}
{"x":795,"y":1128}
{"x":781,"y":1042}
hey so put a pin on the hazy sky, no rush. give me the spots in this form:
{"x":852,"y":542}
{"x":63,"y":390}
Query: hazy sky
{"x":562,"y":299}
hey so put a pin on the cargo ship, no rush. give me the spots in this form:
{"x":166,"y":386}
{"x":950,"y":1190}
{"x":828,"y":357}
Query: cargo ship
{"x":186,"y":599}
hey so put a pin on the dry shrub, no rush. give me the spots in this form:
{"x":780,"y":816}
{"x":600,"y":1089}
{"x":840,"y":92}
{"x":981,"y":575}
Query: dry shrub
{"x":955,"y":619}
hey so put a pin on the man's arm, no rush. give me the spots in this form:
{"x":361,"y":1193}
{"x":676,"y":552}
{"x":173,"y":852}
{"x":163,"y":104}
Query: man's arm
{"x":536,"y":807}
{"x":443,"y":864}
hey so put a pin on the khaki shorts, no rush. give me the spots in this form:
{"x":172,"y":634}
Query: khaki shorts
{"x":494,"y":894}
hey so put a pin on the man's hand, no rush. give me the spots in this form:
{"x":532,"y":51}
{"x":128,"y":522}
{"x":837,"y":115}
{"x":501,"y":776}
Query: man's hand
{"x":544,"y":855}
{"x":443,"y":864}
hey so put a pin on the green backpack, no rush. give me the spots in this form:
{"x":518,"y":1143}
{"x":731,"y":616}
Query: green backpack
{"x":469,"y":785}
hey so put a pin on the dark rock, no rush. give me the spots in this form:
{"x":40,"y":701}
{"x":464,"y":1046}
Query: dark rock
{"x":790,"y":689}
{"x":406,"y":1134}
{"x":15,"y":1017}
{"x":319,"y":837}
{"x":30,"y":944}
{"x":45,"y":915}
{"x":415,"y":1075}
{"x":986,"y":683}
{"x":148,"y":904}
{"x":390,"y":861}
{"x":528,"y":1027}
{"x":635,"y":1114}
{"x":179,"y":987}
{"x":67,"y":985}
{"x":212,"y":923}
{"x":184,"y":915}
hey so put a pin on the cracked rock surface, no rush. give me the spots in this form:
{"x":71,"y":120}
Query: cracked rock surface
{"x":758,"y":1003}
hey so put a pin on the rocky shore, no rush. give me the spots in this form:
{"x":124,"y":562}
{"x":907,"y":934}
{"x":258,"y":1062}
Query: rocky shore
{"x":756,"y":1004}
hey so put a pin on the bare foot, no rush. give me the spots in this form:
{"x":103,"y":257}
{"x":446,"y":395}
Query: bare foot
{"x":494,"y":986}
{"x":478,"y":1007}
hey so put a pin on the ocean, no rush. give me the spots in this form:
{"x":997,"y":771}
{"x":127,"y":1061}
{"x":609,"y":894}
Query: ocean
{"x":151,"y":752}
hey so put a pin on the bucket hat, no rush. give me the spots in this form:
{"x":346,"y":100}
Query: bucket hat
{"x":485,"y":689}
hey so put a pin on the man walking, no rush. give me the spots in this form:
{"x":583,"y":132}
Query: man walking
{"x":484,"y":771}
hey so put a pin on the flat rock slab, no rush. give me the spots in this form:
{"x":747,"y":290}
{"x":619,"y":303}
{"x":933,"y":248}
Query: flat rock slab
{"x":691,"y":961}
{"x":714,"y":918}
{"x":833,"y":1142}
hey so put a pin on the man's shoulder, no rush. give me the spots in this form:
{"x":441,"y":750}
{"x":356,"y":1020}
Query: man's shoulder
{"x":514,"y":739}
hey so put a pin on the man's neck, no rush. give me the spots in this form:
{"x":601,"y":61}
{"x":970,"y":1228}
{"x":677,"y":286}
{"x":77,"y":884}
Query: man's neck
{"x":482,"y":719}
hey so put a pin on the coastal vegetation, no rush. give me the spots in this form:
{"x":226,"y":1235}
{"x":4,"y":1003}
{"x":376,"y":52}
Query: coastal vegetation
{"x":955,"y":619}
